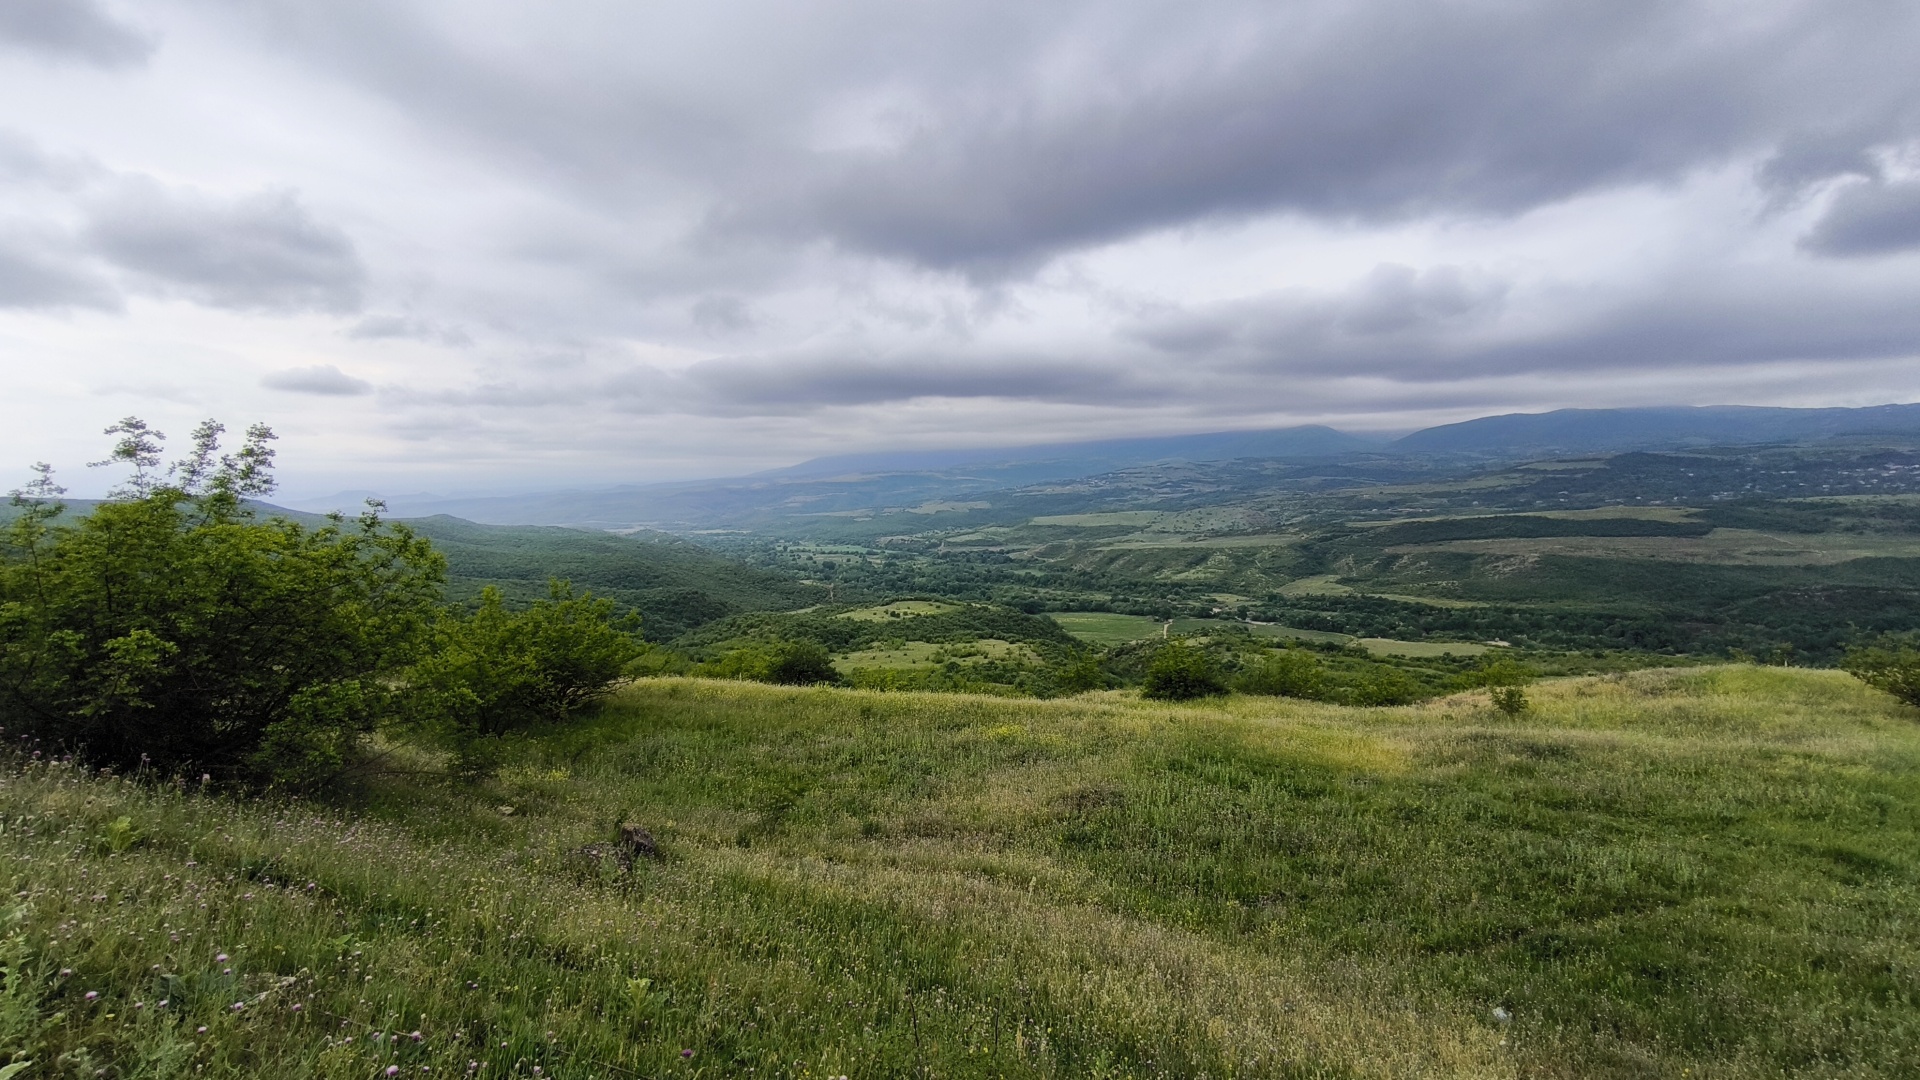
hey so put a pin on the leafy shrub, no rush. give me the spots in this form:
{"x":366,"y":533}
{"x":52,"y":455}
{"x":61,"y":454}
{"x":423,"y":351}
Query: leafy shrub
{"x":1504,"y":680}
{"x":173,"y":629}
{"x":1181,"y":672}
{"x":496,"y":672}
{"x":799,"y":663}
{"x":1078,"y":675}
{"x":1285,"y":673}
{"x":1510,"y":700}
{"x":1377,"y":684}
{"x":1891,"y":665}
{"x":790,"y":663}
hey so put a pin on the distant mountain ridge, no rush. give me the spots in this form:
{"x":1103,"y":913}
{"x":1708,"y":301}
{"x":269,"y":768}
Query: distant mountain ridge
{"x":1305,"y":441}
{"x":850,"y":483}
{"x":1584,"y":431}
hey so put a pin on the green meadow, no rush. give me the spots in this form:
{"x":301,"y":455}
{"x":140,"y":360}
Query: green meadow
{"x":1708,"y":872}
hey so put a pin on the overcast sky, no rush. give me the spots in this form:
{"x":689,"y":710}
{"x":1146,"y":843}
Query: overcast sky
{"x":474,"y":245}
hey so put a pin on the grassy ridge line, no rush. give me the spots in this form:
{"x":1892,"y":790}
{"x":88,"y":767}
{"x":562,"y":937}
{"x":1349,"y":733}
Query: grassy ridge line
{"x":1711,"y":869}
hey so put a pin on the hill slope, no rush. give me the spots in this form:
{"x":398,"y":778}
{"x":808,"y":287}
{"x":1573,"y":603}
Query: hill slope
{"x":1707,"y":871}
{"x":675,"y":584}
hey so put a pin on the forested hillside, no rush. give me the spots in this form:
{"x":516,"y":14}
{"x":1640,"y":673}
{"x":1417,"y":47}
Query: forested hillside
{"x":674,"y":584}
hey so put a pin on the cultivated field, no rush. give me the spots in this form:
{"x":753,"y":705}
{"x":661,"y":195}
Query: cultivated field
{"x":1710,"y":872}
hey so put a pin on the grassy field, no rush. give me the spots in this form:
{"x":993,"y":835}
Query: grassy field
{"x":1710,"y":872}
{"x":1390,"y":647}
{"x":921,"y":654}
{"x":1106,"y":627}
{"x":1746,"y":547}
{"x":899,"y":609}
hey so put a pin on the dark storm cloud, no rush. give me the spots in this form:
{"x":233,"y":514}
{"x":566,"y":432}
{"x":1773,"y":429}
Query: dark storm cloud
{"x":1869,"y":217}
{"x":262,"y":252}
{"x":322,"y":379}
{"x":72,"y":30}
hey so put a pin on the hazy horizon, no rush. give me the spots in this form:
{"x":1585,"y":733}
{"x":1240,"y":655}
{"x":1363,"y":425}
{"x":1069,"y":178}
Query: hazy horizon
{"x":494,"y":247}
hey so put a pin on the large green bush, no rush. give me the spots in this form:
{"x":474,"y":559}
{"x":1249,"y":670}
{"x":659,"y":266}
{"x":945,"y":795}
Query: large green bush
{"x":496,"y":671}
{"x":1181,"y":672}
{"x":789,"y":663}
{"x":799,"y":663}
{"x":173,"y":628}
{"x":494,"y":674}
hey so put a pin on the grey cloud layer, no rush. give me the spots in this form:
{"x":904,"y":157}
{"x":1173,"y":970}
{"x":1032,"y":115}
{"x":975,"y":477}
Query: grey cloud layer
{"x":1447,"y":324}
{"x":1869,"y":217}
{"x":322,"y":379}
{"x":1092,"y":122}
{"x":72,"y":30}
{"x":1381,"y":112}
{"x":82,"y":235}
{"x":815,"y":213}
{"x":262,"y":251}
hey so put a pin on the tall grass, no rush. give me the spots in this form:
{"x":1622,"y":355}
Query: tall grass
{"x":1710,"y":870}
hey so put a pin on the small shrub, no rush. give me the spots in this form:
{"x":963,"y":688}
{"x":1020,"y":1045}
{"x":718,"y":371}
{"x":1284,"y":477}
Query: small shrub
{"x":1510,"y":700}
{"x":1182,"y":672}
{"x":1378,"y":684}
{"x":1892,"y":665}
{"x":1504,"y":681}
{"x":1079,"y":674}
{"x":1288,"y":673}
